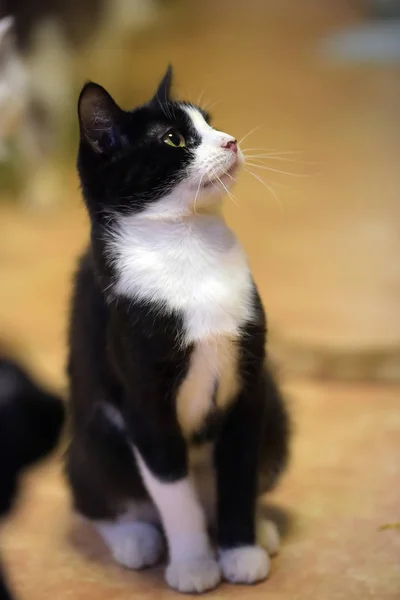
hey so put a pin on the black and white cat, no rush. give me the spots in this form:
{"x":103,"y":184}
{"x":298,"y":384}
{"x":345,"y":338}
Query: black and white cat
{"x":175,"y":417}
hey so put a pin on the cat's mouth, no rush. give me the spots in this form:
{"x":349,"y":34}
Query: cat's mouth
{"x":226,"y":177}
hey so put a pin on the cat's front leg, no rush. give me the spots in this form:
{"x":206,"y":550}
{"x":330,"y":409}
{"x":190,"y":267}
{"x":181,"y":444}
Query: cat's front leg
{"x":237,"y":463}
{"x":162,"y":460}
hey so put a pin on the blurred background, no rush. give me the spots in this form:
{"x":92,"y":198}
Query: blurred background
{"x":315,"y":86}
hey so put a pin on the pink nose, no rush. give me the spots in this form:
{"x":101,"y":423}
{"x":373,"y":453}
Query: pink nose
{"x":231,"y":145}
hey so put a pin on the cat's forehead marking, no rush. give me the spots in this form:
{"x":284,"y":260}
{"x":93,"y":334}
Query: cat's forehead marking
{"x":198,"y":121}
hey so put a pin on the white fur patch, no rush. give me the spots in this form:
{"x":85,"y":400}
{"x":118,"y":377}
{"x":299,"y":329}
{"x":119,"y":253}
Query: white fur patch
{"x":144,"y":511}
{"x":134,"y":545}
{"x":211,"y":138}
{"x":194,"y":266}
{"x":193,"y":576}
{"x":247,"y":564}
{"x":212,"y":158}
{"x":181,"y":514}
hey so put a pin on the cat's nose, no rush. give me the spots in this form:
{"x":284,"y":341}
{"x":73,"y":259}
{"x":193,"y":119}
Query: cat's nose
{"x":231,"y":145}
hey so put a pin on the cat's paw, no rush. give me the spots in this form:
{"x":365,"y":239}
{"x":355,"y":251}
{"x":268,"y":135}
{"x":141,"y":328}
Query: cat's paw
{"x":136,"y":545}
{"x":247,"y":564}
{"x":268,"y":536}
{"x":194,"y":575}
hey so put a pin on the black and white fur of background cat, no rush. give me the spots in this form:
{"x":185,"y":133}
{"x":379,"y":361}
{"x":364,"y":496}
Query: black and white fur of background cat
{"x":177,"y":424}
{"x":43,"y":46}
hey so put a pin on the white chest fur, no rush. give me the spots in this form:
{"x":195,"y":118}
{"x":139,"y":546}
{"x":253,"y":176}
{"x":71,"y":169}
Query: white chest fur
{"x":196,"y":267}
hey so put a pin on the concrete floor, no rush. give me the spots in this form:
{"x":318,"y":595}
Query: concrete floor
{"x":327,"y":268}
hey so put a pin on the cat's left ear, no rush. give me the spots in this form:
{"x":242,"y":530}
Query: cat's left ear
{"x":163,"y":93}
{"x":100,"y":119}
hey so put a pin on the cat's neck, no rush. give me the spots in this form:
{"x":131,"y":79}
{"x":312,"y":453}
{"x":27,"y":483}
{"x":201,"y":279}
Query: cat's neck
{"x":176,"y":238}
{"x":170,"y":210}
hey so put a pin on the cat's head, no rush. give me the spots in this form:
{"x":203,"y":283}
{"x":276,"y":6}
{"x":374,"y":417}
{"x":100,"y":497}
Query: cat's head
{"x":162,"y":159}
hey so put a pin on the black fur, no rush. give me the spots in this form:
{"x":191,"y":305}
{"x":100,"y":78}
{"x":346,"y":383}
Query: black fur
{"x":30,"y":424}
{"x":126,"y":354}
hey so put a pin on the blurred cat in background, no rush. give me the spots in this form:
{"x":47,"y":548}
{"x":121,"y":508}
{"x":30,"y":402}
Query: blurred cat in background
{"x":13,"y":85}
{"x":42,"y":46}
{"x":31,"y":420}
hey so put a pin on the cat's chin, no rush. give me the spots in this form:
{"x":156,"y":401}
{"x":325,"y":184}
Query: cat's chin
{"x":227,"y":179}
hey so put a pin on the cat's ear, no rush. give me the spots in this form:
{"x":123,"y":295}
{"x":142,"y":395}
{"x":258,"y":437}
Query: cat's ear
{"x":100,"y":118}
{"x":163,"y":93}
{"x":6,"y":30}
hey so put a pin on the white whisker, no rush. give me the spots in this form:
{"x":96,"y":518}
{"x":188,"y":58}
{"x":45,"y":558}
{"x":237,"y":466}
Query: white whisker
{"x":211,"y":105}
{"x":228,"y":192}
{"x":268,"y":187}
{"x":229,"y":175}
{"x":200,"y":98}
{"x":272,"y":157}
{"x":247,"y":134}
{"x":270,"y":152}
{"x":276,"y":170}
{"x":197,"y":193}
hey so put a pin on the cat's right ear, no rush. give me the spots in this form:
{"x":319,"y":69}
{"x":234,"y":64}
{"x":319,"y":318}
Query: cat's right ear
{"x":100,"y":119}
{"x":163,"y":93}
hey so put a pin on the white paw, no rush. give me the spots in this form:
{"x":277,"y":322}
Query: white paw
{"x":194,"y":575}
{"x":268,"y":536}
{"x":134,"y":545}
{"x":247,"y":564}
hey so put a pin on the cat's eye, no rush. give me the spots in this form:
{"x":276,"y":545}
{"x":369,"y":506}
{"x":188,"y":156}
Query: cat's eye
{"x":174,"y":138}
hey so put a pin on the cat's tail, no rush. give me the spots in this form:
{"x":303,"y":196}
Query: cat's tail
{"x":380,"y":364}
